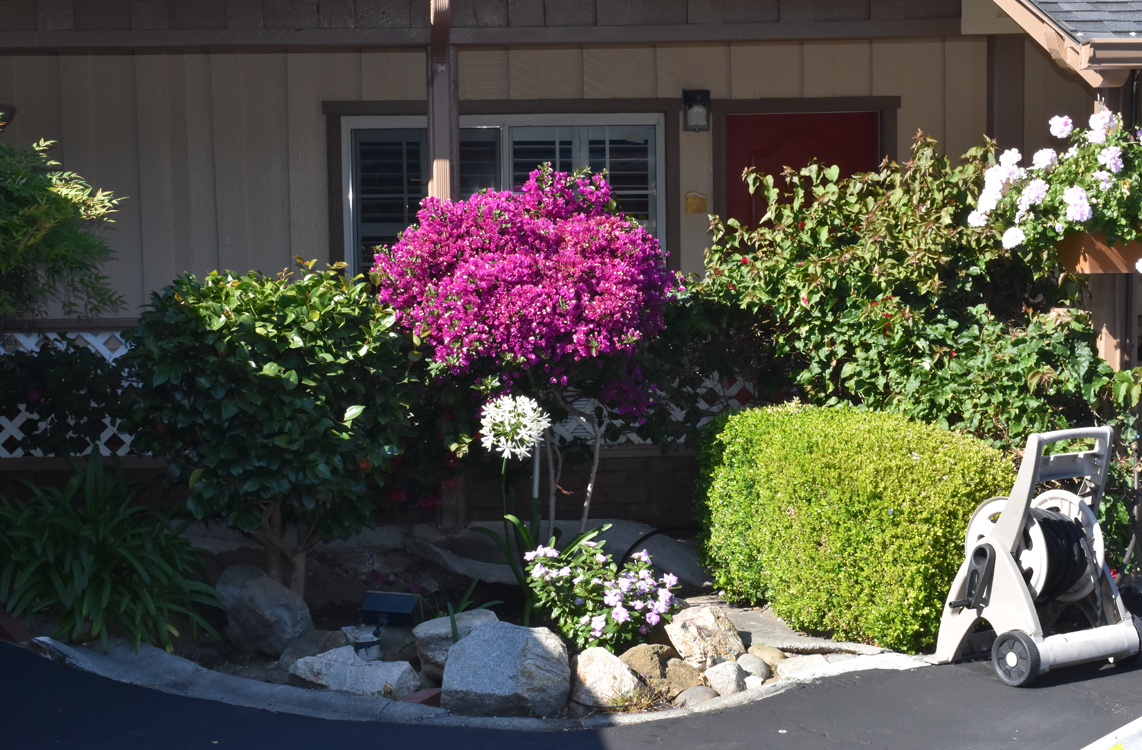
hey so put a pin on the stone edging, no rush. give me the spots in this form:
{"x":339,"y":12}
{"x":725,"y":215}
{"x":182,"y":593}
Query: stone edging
{"x":158,"y":670}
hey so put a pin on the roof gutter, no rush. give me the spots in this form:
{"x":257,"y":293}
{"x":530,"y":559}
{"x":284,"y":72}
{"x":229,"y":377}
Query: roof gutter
{"x":1102,"y":63}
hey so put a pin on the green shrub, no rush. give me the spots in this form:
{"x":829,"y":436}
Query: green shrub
{"x":280,"y":402}
{"x":90,"y":557}
{"x":47,"y":249}
{"x":845,"y":521}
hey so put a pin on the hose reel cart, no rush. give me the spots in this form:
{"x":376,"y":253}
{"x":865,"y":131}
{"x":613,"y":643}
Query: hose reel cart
{"x":1028,"y":559}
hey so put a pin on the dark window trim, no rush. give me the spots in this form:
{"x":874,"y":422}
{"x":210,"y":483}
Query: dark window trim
{"x":671,"y":108}
{"x":887,"y":106}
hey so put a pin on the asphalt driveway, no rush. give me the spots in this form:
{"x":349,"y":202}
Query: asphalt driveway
{"x":47,"y":705}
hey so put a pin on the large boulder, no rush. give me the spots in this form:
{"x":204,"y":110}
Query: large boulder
{"x":679,"y":677}
{"x":434,"y":638}
{"x":311,"y":644}
{"x":649,"y":659}
{"x":599,"y":679}
{"x":263,"y":614}
{"x":704,"y":636}
{"x":507,"y":670}
{"x":341,"y":669}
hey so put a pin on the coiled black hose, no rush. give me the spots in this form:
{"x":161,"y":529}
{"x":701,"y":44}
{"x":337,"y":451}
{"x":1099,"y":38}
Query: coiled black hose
{"x":1066,"y":558}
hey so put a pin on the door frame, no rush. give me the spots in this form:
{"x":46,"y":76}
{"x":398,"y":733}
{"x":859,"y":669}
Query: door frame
{"x":885,"y":106}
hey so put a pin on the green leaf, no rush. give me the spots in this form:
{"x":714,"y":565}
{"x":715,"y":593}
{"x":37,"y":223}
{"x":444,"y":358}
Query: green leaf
{"x":352,"y":413}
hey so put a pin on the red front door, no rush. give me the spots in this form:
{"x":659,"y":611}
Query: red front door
{"x":769,"y":143}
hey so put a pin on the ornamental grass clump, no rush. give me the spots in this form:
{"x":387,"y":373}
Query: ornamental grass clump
{"x":845,"y":521}
{"x":593,"y":602}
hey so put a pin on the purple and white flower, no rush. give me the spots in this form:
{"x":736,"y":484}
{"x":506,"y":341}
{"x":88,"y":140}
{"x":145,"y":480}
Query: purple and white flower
{"x":652,"y":618}
{"x":619,"y":614}
{"x":1044,"y":158}
{"x":1013,"y":237}
{"x":1111,"y":158}
{"x":669,"y":580}
{"x":977,"y":219}
{"x":1061,"y":126}
{"x":1104,"y":178}
{"x":1078,"y":205}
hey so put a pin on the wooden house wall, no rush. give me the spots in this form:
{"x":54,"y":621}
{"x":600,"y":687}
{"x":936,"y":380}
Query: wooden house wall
{"x":222,"y":157}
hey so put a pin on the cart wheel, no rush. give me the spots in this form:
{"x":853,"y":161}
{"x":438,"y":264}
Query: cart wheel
{"x":1015,"y":658}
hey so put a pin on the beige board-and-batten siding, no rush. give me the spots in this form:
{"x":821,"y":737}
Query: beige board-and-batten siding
{"x":222,"y":157}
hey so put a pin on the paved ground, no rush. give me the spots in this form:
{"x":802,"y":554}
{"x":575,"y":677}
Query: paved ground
{"x":45,"y":705}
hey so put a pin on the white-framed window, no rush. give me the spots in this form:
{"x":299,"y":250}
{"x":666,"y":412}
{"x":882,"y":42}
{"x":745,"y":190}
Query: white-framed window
{"x":385,"y":167}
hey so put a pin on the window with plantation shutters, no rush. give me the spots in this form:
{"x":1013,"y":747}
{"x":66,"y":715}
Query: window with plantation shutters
{"x":387,"y":166}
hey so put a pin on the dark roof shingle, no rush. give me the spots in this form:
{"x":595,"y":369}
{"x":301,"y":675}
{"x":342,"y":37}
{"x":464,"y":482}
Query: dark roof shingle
{"x":1095,"y":19}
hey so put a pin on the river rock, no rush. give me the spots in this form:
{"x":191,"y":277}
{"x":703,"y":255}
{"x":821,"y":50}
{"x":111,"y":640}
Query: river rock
{"x":768,"y":654}
{"x":754,"y":665}
{"x":599,"y":679}
{"x":434,"y":638}
{"x":694,"y":696}
{"x":727,"y":678}
{"x":704,"y":636}
{"x":341,"y":669}
{"x":263,"y":614}
{"x":752,"y":682}
{"x":502,"y":669}
{"x":311,"y":644}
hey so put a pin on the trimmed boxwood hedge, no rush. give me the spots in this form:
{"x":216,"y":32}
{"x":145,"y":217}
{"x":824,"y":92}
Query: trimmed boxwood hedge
{"x":845,"y":521}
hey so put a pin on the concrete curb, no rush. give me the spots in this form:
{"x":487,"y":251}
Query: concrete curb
{"x":158,"y":670}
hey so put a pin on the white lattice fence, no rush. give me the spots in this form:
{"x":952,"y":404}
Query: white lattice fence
{"x":714,"y":395}
{"x":13,"y":419}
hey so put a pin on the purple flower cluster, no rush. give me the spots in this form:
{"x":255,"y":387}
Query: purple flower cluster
{"x":507,"y":282}
{"x":595,"y":603}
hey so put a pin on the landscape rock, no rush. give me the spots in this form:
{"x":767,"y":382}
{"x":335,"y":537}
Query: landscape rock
{"x":695,"y":695}
{"x":311,"y":644}
{"x":727,"y":678}
{"x":434,"y":638}
{"x":795,"y":665}
{"x":341,"y":669}
{"x":754,"y":665}
{"x":768,"y":654}
{"x":425,"y":697}
{"x":599,"y":679}
{"x":263,"y":614}
{"x":502,"y":669}
{"x":679,"y":676}
{"x":649,"y":659}
{"x":753,"y":682}
{"x":704,"y":636}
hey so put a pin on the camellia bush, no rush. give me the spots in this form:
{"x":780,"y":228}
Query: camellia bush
{"x":282,"y":403}
{"x":548,"y":291}
{"x":879,"y":291}
{"x":845,"y":521}
{"x":48,"y":251}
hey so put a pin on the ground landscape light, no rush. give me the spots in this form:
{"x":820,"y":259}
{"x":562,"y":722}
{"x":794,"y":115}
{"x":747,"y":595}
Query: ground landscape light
{"x":7,"y":112}
{"x":696,"y":106}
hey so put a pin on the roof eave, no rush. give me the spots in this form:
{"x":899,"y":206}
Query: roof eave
{"x":1102,"y":63}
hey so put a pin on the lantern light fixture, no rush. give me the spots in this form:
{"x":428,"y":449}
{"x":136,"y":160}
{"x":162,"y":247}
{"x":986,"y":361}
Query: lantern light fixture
{"x":696,"y":109}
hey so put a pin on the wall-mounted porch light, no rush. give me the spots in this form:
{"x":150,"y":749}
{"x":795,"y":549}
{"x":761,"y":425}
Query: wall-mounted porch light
{"x":7,"y":112}
{"x":696,"y":109}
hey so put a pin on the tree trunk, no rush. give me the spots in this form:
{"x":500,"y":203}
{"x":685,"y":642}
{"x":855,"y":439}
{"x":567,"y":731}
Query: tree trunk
{"x":297,"y":572}
{"x":594,"y":470}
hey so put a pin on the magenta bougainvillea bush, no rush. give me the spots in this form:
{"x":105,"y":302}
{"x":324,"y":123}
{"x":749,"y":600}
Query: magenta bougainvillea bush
{"x":504,"y":283}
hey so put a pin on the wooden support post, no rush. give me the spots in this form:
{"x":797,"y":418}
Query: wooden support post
{"x":443,"y":106}
{"x":1005,"y":90}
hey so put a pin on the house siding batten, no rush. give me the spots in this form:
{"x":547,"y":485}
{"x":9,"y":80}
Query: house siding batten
{"x":220,"y":151}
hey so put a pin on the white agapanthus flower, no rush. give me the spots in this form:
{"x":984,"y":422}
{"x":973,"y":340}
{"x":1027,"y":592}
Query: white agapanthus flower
{"x":1138,"y":265}
{"x":511,"y":425}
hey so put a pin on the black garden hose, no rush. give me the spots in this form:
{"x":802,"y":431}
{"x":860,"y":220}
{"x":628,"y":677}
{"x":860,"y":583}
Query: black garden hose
{"x":690,"y":527}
